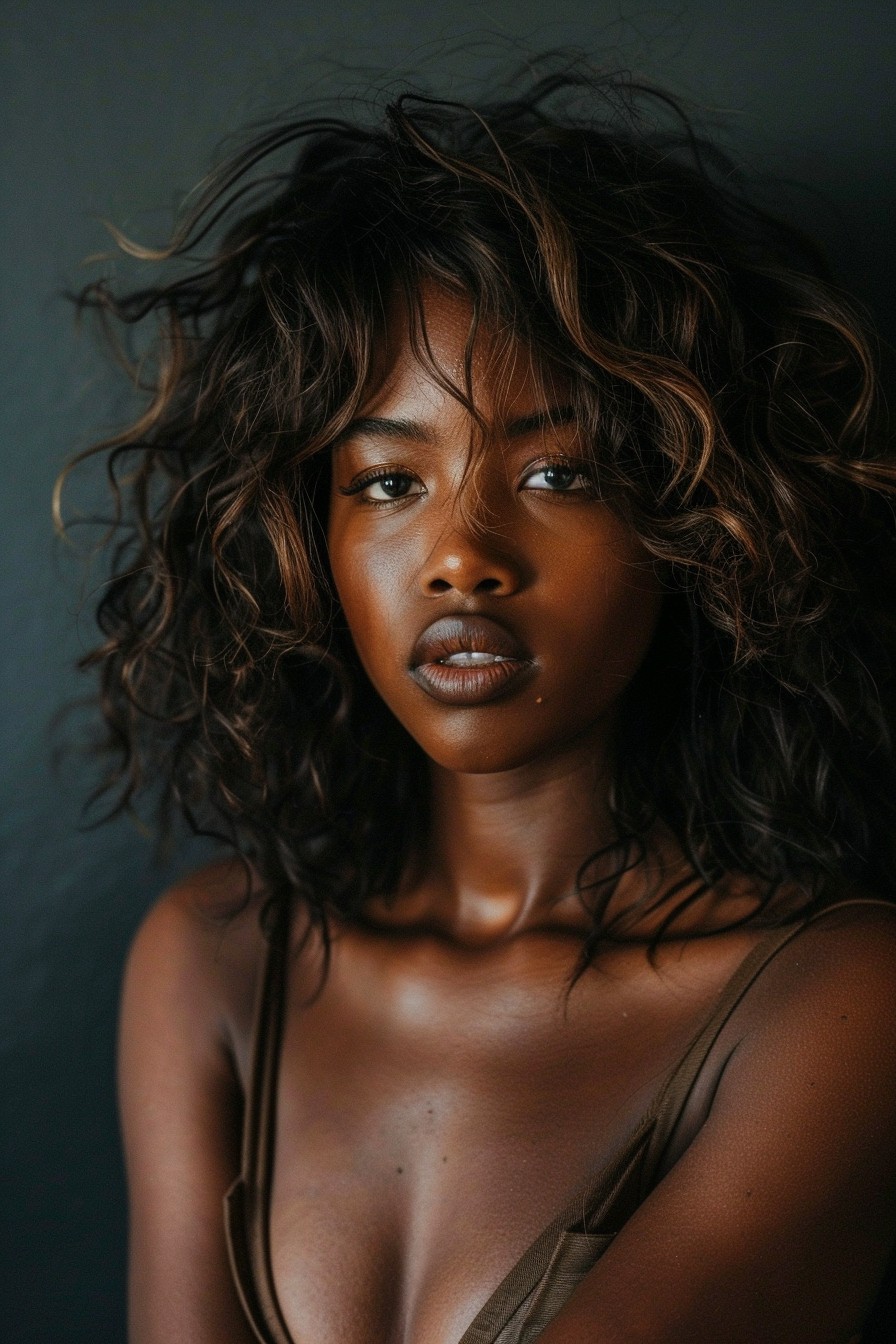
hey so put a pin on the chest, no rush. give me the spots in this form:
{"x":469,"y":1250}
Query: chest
{"x":433,"y":1113}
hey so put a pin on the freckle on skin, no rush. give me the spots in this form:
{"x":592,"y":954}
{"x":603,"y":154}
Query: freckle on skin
{"x":399,"y":1170}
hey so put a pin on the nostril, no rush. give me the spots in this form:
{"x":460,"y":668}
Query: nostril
{"x":488,"y":585}
{"x":439,"y":586}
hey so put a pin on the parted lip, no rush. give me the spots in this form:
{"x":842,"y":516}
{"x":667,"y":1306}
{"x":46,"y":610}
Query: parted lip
{"x":459,"y":633}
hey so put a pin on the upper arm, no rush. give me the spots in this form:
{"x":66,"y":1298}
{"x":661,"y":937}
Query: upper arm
{"x":180,"y":1105}
{"x":777,"y":1221}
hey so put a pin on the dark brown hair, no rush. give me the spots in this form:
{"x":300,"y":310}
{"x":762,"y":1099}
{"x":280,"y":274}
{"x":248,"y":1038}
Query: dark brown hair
{"x":730,"y":398}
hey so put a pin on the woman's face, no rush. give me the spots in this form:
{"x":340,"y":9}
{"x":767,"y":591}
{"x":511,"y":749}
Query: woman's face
{"x":497,"y":606}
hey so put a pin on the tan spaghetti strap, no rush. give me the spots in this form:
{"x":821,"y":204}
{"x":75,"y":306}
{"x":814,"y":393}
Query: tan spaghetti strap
{"x":261,"y":1109}
{"x":673,"y":1096}
{"x":247,"y":1203}
{"x":544,"y":1277}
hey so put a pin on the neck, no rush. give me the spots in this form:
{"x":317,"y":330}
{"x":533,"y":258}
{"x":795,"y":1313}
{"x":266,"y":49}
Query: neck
{"x":505,"y":849}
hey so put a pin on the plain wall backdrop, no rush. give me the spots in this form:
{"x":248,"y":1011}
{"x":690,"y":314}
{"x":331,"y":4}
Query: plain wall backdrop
{"x":114,"y":110}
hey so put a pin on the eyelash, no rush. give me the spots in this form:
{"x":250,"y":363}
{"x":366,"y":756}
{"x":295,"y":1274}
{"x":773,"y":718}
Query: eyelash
{"x":371,"y":477}
{"x":577,"y":467}
{"x":383,"y":473}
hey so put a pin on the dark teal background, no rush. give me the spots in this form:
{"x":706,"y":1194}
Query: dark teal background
{"x":114,"y":110}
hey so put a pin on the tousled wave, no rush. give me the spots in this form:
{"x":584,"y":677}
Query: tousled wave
{"x":731,"y":400}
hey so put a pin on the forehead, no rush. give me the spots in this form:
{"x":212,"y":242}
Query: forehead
{"x":439,"y":359}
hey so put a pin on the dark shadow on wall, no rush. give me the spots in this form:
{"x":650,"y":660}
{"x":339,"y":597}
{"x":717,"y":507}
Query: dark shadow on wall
{"x":61,"y":1173}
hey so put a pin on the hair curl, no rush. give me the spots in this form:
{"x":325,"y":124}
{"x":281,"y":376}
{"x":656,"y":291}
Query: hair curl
{"x":731,"y":399}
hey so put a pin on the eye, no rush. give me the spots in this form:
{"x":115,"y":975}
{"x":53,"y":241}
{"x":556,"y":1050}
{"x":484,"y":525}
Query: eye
{"x":384,"y":487}
{"x":557,"y":477}
{"x":395,"y":485}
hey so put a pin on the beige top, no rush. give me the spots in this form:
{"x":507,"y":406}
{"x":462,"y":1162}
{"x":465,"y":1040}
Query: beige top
{"x":544,"y":1277}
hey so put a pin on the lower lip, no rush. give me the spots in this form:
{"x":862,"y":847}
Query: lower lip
{"x":471,"y":685}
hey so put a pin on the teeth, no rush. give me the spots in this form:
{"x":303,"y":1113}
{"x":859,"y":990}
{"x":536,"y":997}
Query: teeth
{"x":470,"y":659}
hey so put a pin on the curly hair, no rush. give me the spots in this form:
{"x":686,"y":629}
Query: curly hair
{"x":732,"y":407}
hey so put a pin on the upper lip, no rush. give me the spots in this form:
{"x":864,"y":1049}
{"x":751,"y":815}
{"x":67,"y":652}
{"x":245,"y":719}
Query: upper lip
{"x":466,"y":634}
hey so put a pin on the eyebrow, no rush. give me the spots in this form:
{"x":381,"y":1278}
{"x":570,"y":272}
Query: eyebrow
{"x":547,"y":419}
{"x":378,"y":427}
{"x":381,"y":427}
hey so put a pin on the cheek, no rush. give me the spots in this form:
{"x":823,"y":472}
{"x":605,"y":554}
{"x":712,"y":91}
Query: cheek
{"x":627,"y":614}
{"x":367,"y":587}
{"x":360,"y":605}
{"x":611,"y":609}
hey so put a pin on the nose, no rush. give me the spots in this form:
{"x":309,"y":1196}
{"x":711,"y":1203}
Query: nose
{"x":467,"y":563}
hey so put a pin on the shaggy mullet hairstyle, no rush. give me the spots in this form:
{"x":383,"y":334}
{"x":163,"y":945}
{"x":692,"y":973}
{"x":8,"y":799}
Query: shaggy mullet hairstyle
{"x":730,"y":400}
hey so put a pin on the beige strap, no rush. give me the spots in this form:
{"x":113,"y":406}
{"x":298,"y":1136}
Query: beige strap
{"x":672,"y":1098}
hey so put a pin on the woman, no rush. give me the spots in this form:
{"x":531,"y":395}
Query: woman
{"x":508,"y":581}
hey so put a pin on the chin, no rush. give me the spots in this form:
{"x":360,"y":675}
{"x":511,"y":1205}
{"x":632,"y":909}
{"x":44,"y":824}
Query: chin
{"x":472,"y":749}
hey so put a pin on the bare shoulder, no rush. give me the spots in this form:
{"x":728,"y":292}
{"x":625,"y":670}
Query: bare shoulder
{"x":818,"y":1030}
{"x":841,"y":966}
{"x":198,"y":953}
